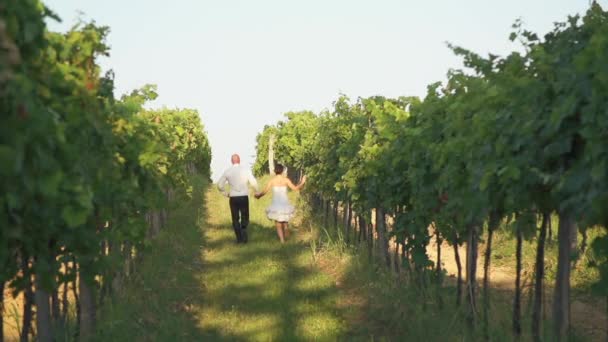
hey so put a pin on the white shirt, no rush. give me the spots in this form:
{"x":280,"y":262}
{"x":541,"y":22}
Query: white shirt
{"x":238,"y":177}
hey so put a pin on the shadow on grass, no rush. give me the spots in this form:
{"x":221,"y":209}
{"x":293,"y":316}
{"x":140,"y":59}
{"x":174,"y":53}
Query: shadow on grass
{"x":158,"y":303}
{"x":263,"y":290}
{"x":196,"y":284}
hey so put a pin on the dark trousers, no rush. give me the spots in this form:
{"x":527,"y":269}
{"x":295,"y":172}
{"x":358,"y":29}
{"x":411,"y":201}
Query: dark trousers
{"x":239,"y":209}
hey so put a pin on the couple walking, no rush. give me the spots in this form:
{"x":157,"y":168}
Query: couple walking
{"x":239,"y":178}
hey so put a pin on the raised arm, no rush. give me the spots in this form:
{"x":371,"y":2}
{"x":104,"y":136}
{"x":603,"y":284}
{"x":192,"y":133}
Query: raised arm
{"x":296,"y":187}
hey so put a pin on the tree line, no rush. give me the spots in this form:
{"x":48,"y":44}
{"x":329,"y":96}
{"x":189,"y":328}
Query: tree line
{"x":86,"y":179}
{"x":514,"y":141}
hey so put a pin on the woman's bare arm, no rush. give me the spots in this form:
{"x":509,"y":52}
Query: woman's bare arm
{"x":296,"y":187}
{"x":266,"y":189}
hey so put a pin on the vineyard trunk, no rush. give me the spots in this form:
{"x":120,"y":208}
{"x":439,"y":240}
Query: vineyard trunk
{"x":382,"y":239}
{"x":43,"y":314}
{"x":344,"y":218}
{"x":517,"y":299}
{"x":87,"y":309}
{"x":486,"y":276}
{"x":561,"y":296}
{"x":471,"y":270}
{"x":574,"y":251}
{"x":438,"y":268}
{"x":404,"y":259}
{"x":439,"y":242}
{"x":361,"y":224}
{"x":459,"y":270}
{"x":336,"y":204}
{"x":370,"y":241}
{"x":127,"y":255}
{"x":26,"y":326}
{"x":349,"y":218}
{"x":64,"y":295}
{"x":396,"y":256}
{"x":539,"y":279}
{"x":75,"y":293}
{"x":55,"y":311}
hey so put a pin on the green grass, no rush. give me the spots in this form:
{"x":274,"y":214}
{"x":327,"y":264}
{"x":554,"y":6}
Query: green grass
{"x":159,"y":301}
{"x":263,"y":291}
{"x":195,"y":283}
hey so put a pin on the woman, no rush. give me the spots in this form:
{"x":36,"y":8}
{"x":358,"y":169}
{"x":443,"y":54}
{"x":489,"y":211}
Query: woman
{"x":280,"y":210}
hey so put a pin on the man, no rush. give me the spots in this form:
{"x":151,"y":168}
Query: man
{"x":238,"y":177}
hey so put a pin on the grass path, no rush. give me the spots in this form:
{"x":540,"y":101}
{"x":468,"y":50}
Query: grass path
{"x":195,"y":283}
{"x":263,"y":291}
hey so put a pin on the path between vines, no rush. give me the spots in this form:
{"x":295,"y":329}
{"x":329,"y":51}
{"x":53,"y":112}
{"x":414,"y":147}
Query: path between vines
{"x":217,"y":290}
{"x":196,"y":283}
{"x":265,"y":291}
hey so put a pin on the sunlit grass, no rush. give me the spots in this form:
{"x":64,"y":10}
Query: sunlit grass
{"x":263,"y":290}
{"x":195,"y":283}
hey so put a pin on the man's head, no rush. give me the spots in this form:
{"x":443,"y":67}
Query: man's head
{"x":235,"y":159}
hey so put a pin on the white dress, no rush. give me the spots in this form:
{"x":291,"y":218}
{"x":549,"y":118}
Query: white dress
{"x":280,"y":209}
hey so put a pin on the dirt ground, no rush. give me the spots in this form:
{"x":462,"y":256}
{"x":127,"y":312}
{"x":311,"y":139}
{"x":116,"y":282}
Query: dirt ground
{"x":588,"y":314}
{"x":13,"y":310}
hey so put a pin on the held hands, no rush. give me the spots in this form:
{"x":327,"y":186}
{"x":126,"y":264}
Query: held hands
{"x":258,"y":195}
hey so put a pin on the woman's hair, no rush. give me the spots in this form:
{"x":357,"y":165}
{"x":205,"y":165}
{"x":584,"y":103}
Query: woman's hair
{"x":278,"y":169}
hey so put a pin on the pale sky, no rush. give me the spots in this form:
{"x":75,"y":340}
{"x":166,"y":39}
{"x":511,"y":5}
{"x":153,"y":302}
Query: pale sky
{"x":243,"y":63}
